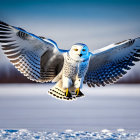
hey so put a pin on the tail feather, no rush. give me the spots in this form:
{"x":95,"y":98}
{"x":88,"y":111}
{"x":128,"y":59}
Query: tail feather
{"x":59,"y":93}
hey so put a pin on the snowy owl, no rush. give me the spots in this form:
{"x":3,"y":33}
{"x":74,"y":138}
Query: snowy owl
{"x":40,"y":60}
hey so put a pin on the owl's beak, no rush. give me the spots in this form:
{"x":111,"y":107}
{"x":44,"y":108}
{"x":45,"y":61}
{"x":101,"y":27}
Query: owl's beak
{"x":80,"y":55}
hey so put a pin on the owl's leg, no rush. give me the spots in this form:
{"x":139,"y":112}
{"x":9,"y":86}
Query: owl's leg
{"x":67,"y":83}
{"x":78,"y":84}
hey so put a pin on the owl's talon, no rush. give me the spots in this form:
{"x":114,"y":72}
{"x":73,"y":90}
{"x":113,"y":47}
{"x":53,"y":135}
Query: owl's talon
{"x":78,"y":93}
{"x":67,"y":91}
{"x":68,"y":94}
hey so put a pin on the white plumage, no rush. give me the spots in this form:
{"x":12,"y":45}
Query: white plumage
{"x":41,"y":60}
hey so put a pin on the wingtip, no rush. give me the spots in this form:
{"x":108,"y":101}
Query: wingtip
{"x":1,"y":22}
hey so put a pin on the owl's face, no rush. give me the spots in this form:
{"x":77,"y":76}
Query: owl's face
{"x":79,"y":51}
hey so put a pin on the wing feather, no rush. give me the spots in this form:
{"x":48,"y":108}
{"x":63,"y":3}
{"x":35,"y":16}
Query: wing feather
{"x":36,"y":57}
{"x":109,"y":64}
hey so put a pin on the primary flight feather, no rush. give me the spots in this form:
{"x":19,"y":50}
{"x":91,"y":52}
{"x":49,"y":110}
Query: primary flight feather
{"x":40,"y":60}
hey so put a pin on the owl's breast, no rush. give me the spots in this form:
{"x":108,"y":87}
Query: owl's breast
{"x":70,"y":69}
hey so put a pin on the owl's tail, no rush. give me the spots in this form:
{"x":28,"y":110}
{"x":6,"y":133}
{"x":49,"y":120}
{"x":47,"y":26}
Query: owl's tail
{"x":58,"y":92}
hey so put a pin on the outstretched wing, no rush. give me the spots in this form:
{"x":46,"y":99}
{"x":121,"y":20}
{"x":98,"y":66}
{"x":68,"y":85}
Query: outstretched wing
{"x":110,"y":63}
{"x":37,"y":58}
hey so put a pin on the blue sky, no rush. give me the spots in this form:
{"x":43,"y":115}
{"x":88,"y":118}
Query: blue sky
{"x":90,"y":20}
{"x":72,"y":9}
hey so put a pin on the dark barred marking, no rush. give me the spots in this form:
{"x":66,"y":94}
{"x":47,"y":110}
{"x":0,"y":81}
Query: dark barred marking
{"x":32,"y":60}
{"x":136,"y":54}
{"x":50,"y":74}
{"x":34,"y":73}
{"x":56,"y":92}
{"x":22,"y":35}
{"x":60,"y":90}
{"x":31,"y":56}
{"x":32,"y":63}
{"x":13,"y":44}
{"x":6,"y":41}
{"x":30,"y":66}
{"x":3,"y":37}
{"x":14,"y":56}
{"x":34,"y":56}
{"x":11,"y":52}
{"x":1,"y":22}
{"x":9,"y":47}
{"x":5,"y":33}
{"x":130,"y":42}
{"x":3,"y":26}
{"x":26,"y":70}
{"x":17,"y":65}
{"x":46,"y":72}
{"x":15,"y":61}
{"x":47,"y":76}
{"x":64,"y":97}
{"x":5,"y":29}
{"x":51,"y":71}
{"x":120,"y":42}
{"x":42,"y":37}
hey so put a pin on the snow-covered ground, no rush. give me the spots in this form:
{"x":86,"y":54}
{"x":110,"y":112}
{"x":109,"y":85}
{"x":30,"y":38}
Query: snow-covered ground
{"x":24,"y":134}
{"x":31,"y":111}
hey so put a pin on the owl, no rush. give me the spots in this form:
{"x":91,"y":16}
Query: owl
{"x":40,"y":60}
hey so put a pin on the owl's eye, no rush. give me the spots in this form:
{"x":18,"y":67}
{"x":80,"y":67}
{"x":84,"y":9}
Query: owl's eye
{"x":76,"y":49}
{"x":84,"y":50}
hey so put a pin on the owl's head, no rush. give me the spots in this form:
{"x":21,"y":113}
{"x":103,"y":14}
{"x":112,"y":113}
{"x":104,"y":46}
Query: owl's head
{"x":79,"y":52}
